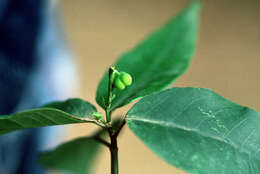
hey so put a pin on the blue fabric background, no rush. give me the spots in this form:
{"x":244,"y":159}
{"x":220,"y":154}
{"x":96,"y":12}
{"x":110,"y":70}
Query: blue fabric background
{"x":31,"y":49}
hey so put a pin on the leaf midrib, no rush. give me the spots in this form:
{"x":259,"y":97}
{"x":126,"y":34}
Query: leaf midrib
{"x":49,"y":109}
{"x":197,"y":131}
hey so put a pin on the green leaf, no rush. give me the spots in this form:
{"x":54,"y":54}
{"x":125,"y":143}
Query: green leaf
{"x":199,"y":131}
{"x":56,"y":113}
{"x":76,"y":156}
{"x":156,"y":62}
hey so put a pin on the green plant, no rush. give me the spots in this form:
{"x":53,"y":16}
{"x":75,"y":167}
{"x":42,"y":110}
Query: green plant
{"x":191,"y":128}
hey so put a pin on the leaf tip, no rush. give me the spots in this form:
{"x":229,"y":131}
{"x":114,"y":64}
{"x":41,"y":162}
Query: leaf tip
{"x":194,"y":7}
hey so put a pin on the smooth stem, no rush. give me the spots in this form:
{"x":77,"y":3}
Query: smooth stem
{"x":114,"y":154}
{"x":111,"y":76}
{"x":108,"y":115}
{"x":113,"y":147}
{"x":113,"y":135}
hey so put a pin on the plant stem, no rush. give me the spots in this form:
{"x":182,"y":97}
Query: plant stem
{"x":108,"y":115}
{"x":113,"y":134}
{"x":102,"y":141}
{"x":113,"y":148}
{"x":114,"y":153}
{"x":111,"y":76}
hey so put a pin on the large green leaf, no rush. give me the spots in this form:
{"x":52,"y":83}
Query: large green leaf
{"x":57,"y":113}
{"x":199,"y":131}
{"x":76,"y":156}
{"x":159,"y":60}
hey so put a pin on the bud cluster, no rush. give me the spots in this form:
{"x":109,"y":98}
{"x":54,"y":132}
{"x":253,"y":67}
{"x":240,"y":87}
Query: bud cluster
{"x":122,"y":80}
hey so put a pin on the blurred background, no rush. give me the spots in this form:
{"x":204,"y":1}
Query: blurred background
{"x":95,"y":33}
{"x":227,"y":59}
{"x":43,"y":58}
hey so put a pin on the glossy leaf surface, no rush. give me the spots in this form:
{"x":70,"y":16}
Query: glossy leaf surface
{"x":199,"y":131}
{"x":157,"y":61}
{"x":57,"y":113}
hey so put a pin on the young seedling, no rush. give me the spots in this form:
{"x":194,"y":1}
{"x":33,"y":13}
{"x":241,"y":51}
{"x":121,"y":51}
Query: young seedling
{"x":193,"y":129}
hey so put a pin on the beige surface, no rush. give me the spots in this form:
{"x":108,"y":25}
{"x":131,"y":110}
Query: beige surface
{"x":227,"y":58}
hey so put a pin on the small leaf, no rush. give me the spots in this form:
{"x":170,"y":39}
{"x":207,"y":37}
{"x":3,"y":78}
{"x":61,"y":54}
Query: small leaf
{"x":199,"y":131}
{"x":56,"y":113}
{"x":76,"y":156}
{"x":156,"y":62}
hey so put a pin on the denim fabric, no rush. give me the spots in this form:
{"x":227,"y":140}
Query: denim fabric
{"x":33,"y":64}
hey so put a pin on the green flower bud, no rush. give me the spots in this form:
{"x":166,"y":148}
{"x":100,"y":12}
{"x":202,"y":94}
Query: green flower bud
{"x":125,"y":78}
{"x":98,"y":116}
{"x":119,"y":84}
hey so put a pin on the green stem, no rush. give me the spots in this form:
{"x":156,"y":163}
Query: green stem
{"x":113,"y":135}
{"x":108,"y":115}
{"x":111,"y":76}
